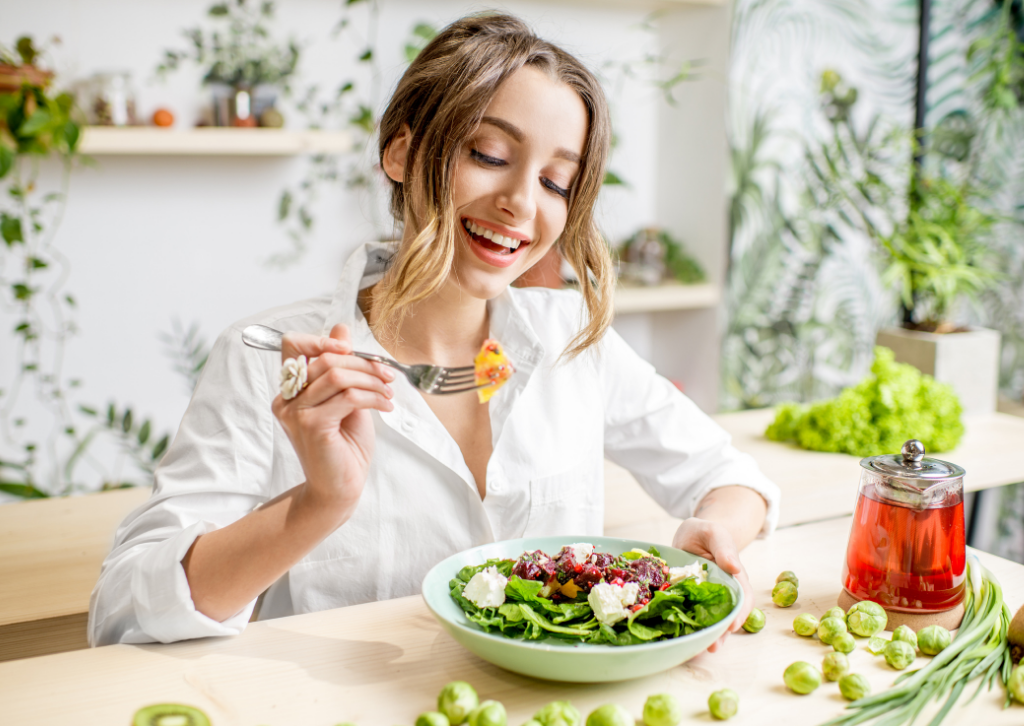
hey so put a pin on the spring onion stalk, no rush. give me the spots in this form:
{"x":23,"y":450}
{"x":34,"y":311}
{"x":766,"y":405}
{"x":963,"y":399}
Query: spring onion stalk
{"x":979,"y":651}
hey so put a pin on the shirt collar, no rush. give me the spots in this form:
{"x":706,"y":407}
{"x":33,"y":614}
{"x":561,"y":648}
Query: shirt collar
{"x":412,"y":417}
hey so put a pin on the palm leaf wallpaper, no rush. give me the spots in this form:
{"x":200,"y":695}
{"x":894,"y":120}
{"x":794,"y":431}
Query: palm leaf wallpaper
{"x":821,"y":138}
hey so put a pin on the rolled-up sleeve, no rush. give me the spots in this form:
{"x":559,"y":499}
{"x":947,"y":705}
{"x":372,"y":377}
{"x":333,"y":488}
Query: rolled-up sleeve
{"x":215,"y":472}
{"x":676,"y":452}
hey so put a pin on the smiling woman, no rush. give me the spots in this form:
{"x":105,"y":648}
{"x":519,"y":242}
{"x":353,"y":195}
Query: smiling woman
{"x":352,"y":489}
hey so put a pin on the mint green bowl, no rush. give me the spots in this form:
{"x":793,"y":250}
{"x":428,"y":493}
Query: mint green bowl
{"x":556,"y":660}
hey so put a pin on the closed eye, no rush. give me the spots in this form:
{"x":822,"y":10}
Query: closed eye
{"x":564,"y":193}
{"x":484,"y":159}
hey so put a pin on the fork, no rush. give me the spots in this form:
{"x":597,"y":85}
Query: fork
{"x":427,"y":378}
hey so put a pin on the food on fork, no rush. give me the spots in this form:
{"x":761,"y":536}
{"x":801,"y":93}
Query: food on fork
{"x":491,"y":366}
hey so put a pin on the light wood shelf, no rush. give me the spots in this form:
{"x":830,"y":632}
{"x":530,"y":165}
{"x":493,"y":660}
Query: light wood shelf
{"x":210,"y":141}
{"x":629,"y":299}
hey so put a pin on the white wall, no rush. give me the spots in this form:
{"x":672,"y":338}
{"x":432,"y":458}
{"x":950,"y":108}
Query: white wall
{"x":154,"y":239}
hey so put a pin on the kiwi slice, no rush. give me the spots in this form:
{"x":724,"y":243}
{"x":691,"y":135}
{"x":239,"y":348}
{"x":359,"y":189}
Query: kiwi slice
{"x":170,"y":714}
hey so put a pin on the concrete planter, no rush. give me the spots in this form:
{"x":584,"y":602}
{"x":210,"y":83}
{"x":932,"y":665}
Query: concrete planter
{"x":969,"y":361}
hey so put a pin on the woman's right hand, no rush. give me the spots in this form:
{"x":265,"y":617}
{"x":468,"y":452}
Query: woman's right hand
{"x":328,"y":422}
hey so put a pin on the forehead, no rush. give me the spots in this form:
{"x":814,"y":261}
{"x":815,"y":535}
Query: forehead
{"x":550,"y":114}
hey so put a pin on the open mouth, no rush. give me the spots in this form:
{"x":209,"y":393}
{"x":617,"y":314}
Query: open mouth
{"x":492,"y":241}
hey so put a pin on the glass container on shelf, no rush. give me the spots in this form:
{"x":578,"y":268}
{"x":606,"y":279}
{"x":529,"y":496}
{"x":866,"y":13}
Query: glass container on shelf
{"x":907,"y":549}
{"x":111,"y":99}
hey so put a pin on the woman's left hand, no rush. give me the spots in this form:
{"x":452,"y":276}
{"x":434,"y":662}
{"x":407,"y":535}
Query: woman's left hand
{"x":712,"y":541}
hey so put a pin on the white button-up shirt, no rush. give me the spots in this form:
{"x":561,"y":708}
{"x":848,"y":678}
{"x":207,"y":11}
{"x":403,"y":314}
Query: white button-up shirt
{"x":552,"y":425}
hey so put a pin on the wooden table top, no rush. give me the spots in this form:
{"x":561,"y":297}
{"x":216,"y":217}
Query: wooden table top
{"x":52,"y":549}
{"x":384,"y":663}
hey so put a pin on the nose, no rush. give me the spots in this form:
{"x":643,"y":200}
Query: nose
{"x":518,"y":196}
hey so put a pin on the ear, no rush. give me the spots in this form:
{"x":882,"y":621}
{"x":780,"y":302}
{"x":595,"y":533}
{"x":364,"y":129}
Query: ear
{"x":396,"y":153}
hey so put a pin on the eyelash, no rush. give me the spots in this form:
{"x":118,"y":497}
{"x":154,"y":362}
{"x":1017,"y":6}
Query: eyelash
{"x":495,"y":162}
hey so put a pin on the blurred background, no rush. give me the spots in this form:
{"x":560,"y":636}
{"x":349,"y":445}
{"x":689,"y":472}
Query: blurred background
{"x":781,"y":189}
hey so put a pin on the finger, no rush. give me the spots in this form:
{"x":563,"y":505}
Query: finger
{"x":723,"y":549}
{"x":344,"y":403}
{"x":311,"y":346}
{"x":327,"y":361}
{"x":338,"y":380}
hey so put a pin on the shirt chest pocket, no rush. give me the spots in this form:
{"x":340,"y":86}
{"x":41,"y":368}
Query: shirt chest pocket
{"x":568,"y":503}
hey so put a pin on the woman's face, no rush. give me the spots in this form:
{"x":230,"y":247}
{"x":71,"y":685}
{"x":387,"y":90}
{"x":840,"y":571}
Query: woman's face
{"x":512,"y":180}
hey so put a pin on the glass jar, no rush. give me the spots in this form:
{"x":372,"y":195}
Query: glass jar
{"x":907,"y":548}
{"x":111,"y":99}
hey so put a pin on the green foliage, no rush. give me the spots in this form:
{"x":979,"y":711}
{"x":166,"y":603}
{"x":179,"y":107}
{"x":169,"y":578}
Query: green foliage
{"x":1002,"y":71}
{"x":894,"y":403}
{"x":940,"y":253}
{"x":240,"y":52}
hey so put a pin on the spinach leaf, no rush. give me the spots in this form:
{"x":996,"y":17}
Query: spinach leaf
{"x":543,"y":622}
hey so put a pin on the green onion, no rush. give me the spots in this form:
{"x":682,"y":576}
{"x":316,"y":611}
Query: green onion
{"x":980,"y":650}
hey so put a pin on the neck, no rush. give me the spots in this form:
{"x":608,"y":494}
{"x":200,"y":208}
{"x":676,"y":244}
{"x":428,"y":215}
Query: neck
{"x":446,"y":329}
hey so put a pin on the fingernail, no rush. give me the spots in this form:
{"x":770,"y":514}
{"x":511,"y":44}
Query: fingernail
{"x":390,"y":393}
{"x":388,"y":373}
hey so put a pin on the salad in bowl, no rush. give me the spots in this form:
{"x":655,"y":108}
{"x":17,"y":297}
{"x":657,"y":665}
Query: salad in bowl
{"x":583,"y":610}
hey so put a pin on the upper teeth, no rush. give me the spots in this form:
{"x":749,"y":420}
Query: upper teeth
{"x":492,"y":236}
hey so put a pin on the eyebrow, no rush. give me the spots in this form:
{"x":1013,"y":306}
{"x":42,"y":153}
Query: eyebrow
{"x":516,"y":133}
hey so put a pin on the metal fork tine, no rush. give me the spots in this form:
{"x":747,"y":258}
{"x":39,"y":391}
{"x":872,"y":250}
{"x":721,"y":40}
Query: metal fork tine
{"x":459,"y":377}
{"x":442,"y":391}
{"x":461,"y":369}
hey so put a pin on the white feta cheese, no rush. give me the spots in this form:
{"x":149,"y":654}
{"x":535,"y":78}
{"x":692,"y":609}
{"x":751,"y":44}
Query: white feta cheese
{"x":606,"y":602}
{"x":628,"y":593}
{"x":486,"y":589}
{"x":580,"y":553}
{"x":678,"y":574}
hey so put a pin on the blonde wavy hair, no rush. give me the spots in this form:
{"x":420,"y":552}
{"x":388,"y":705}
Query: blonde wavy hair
{"x":442,"y":97}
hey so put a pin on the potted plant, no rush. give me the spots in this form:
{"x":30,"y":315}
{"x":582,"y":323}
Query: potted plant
{"x":242,"y":62}
{"x":938,"y":257}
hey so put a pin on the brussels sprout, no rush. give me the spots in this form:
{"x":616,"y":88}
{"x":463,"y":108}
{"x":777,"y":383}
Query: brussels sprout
{"x":788,"y":576}
{"x":558,"y":713}
{"x":844,"y":643}
{"x":829,"y":629}
{"x":432,"y":718}
{"x":723,"y":704}
{"x":456,"y":700}
{"x":933,"y":639}
{"x":836,"y":612}
{"x":663,"y":710}
{"x":854,"y":686}
{"x":835,"y":666}
{"x":906,"y":634}
{"x":784,"y":594}
{"x":899,"y":654}
{"x":801,"y":677}
{"x":866,"y":618}
{"x":805,"y":625}
{"x":877,"y":644}
{"x":488,"y":713}
{"x":610,"y":714}
{"x":1016,"y":683}
{"x":754,"y":622}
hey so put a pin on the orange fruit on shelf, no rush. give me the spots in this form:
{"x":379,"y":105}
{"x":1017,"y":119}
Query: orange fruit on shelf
{"x":163,"y":117}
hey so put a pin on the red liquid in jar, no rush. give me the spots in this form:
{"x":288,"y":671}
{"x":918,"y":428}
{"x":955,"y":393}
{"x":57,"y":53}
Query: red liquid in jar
{"x":904,"y":558}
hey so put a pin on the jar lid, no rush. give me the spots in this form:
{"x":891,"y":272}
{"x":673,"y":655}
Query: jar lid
{"x":911,"y":463}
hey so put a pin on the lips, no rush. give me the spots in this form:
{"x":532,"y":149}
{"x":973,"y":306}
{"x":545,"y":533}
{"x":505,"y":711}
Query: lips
{"x":492,"y":251}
